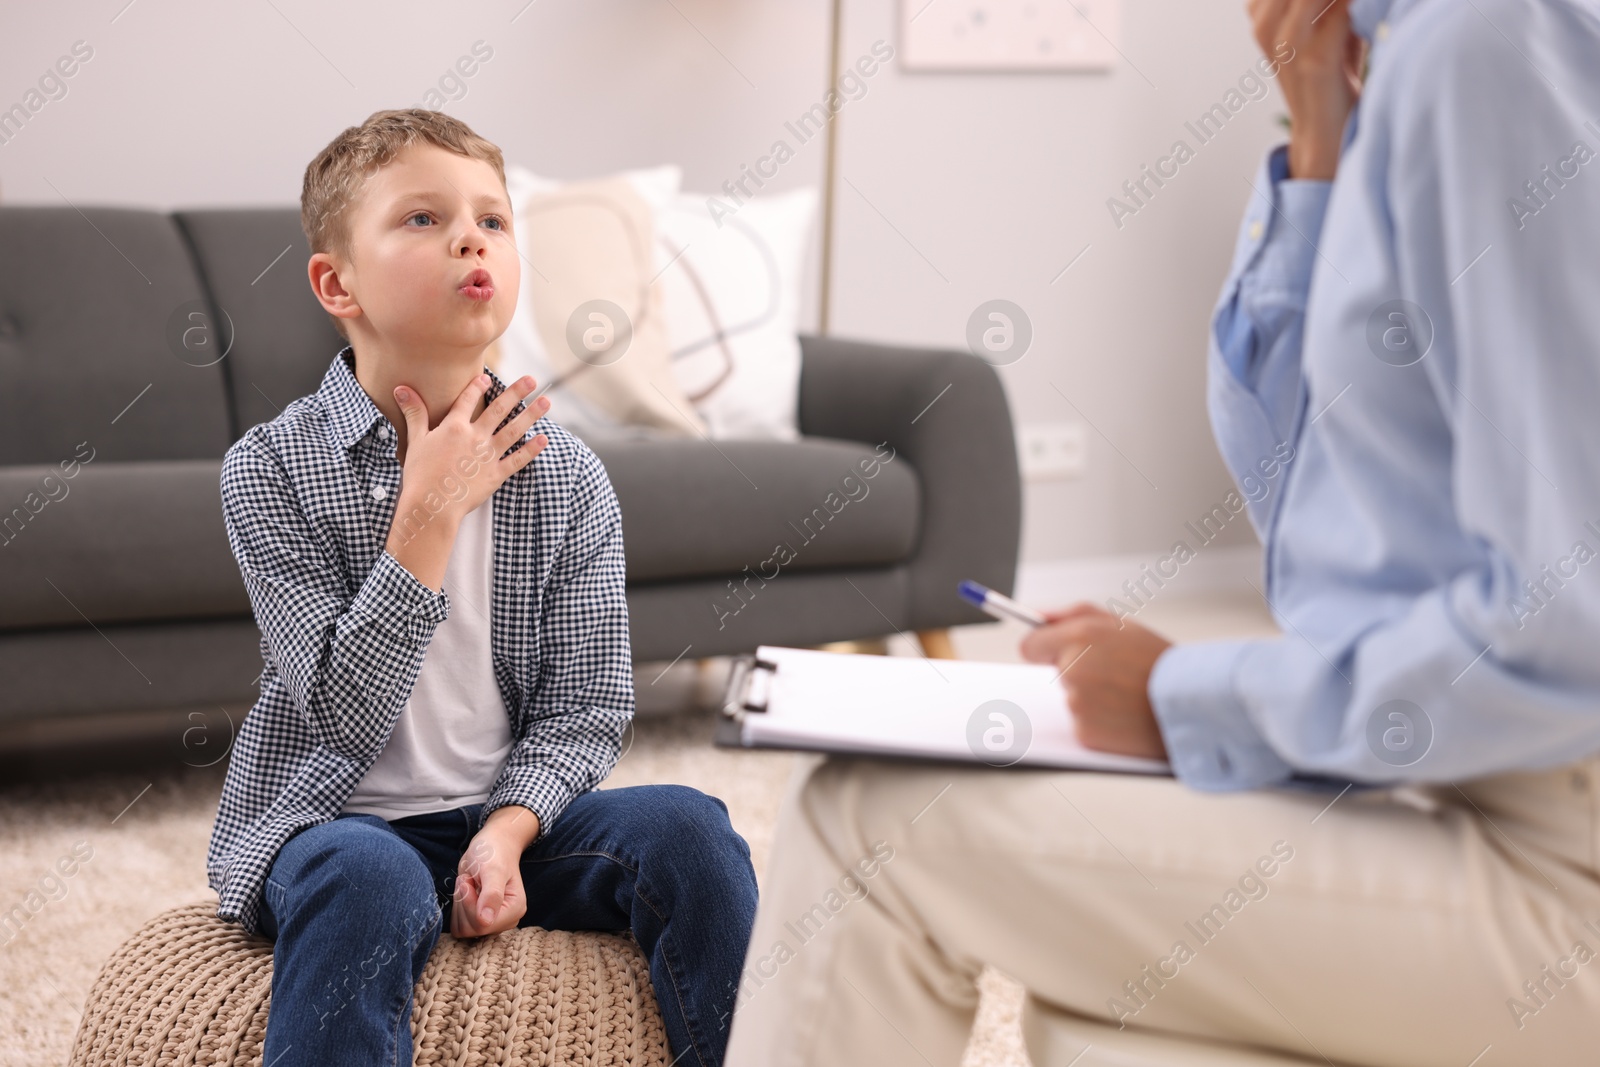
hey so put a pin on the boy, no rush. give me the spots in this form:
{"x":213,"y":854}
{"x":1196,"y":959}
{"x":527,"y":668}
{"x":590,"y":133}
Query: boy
{"x":445,"y":637}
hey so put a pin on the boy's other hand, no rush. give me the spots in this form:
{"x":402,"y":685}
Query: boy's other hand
{"x":1105,"y":665}
{"x":488,"y":895}
{"x":462,"y":460}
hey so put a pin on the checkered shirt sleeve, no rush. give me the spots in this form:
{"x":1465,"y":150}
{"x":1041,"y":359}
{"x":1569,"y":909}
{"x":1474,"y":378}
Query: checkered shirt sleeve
{"x":349,"y":664}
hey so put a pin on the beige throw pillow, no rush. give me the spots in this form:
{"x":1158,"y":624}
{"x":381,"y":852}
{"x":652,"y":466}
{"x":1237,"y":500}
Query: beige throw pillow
{"x":589,"y":249}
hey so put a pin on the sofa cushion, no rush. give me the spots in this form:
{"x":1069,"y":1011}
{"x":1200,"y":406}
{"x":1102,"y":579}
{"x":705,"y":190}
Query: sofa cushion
{"x":703,"y":617}
{"x":117,"y":667}
{"x":116,"y":542}
{"x":93,"y":304}
{"x":689,"y":509}
{"x":254,"y":261}
{"x":702,"y":508}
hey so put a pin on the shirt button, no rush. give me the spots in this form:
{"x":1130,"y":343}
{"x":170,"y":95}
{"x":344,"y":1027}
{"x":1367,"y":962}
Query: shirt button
{"x":379,"y":492}
{"x":1255,"y":230}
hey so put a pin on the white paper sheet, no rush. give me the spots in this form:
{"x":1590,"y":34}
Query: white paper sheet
{"x":938,"y":709}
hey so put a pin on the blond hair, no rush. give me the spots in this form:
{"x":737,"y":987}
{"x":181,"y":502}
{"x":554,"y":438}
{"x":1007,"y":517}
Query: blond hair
{"x":334,"y":179}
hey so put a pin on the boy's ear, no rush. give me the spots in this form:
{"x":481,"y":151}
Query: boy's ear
{"x":336,"y":300}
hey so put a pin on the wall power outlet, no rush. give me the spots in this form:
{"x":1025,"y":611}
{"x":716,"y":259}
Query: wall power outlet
{"x":1052,"y":450}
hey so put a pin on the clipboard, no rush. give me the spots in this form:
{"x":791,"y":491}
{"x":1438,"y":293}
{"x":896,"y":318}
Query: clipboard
{"x":998,"y":714}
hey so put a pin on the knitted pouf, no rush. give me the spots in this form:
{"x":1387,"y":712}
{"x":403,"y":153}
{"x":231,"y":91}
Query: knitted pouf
{"x":190,"y":988}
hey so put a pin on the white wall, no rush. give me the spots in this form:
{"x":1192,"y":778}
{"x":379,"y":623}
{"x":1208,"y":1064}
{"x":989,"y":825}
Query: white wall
{"x":998,"y":180}
{"x":187,"y":103}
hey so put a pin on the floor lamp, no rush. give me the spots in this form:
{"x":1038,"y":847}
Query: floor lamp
{"x":829,"y":161}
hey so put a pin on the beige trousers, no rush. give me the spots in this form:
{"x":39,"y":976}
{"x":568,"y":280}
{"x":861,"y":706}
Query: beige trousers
{"x":1434,"y":927}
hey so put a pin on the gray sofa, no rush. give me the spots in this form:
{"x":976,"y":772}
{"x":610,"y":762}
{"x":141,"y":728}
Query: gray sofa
{"x":117,"y":588}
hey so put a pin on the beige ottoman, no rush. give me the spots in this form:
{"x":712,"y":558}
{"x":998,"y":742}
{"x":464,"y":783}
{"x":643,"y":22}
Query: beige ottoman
{"x":189,"y":988}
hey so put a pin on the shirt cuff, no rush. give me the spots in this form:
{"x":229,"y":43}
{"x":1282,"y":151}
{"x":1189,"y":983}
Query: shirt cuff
{"x":1211,"y":742}
{"x":1284,"y":228}
{"x":540,"y":792}
{"x":397,"y":597}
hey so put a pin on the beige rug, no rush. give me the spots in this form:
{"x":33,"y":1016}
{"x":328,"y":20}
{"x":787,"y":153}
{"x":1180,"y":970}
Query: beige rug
{"x":144,"y":827}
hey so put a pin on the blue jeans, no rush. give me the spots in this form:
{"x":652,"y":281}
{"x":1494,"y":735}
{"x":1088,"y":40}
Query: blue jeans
{"x":355,"y":905}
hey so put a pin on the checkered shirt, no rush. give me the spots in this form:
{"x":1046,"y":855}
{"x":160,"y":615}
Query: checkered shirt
{"x":308,"y":499}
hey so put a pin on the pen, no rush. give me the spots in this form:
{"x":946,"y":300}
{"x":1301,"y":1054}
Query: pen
{"x":998,"y":604}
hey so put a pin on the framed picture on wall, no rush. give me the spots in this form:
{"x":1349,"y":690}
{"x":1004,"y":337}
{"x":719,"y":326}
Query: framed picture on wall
{"x":1008,"y":35}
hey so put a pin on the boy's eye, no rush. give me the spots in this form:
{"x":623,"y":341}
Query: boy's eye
{"x":500,"y":222}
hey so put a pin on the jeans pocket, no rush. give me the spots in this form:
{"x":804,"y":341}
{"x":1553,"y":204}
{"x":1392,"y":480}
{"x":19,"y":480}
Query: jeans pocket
{"x":275,"y":895}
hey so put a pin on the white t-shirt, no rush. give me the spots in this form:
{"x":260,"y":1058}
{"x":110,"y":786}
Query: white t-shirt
{"x":454,"y":733}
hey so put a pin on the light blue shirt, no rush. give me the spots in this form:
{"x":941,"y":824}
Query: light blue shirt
{"x":1420,"y":338}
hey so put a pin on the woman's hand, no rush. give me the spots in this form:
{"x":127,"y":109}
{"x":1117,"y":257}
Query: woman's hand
{"x":1105,"y":664}
{"x":1320,"y":76}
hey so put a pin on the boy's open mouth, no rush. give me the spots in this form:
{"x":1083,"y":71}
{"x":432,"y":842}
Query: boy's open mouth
{"x":477,"y":286}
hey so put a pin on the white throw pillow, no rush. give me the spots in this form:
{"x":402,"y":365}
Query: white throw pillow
{"x":733,"y":308}
{"x":656,"y":185}
{"x":731,"y":296}
{"x":521,"y":349}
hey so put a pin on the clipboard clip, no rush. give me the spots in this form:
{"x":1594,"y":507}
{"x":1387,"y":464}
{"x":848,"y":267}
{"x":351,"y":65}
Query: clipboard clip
{"x":749,"y":686}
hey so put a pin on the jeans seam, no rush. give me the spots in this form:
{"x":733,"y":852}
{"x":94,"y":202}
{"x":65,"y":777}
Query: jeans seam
{"x":695,"y":1039}
{"x":401,"y":1022}
{"x":402,"y":1030}
{"x":619,"y":861}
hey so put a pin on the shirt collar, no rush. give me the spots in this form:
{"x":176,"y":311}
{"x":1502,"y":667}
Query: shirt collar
{"x":1365,"y":15}
{"x":1373,"y":19}
{"x":351,"y":411}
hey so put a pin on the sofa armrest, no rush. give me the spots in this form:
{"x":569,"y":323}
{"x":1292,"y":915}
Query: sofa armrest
{"x":963,"y":448}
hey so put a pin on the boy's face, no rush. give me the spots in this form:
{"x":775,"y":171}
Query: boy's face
{"x":420,"y":229}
